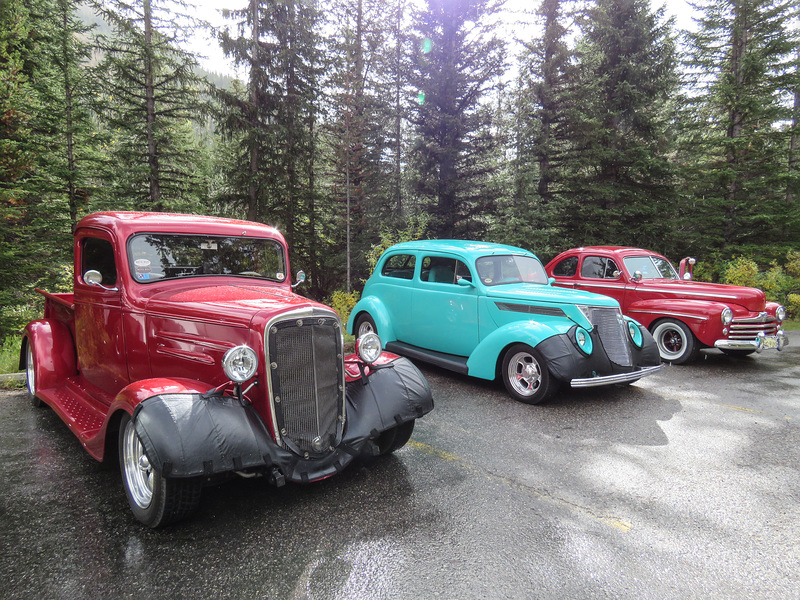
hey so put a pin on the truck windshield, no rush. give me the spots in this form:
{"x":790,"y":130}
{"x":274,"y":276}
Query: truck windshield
{"x":156,"y":256}
{"x":651,"y":267}
{"x":499,"y":270}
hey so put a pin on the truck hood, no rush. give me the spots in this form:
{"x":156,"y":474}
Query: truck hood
{"x":231,"y":304}
{"x":752,"y":299}
{"x":532,"y":292}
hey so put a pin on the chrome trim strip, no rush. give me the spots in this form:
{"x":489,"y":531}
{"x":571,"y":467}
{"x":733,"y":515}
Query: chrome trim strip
{"x":530,"y":309}
{"x":668,"y":314}
{"x":619,"y":378}
{"x":682,"y":293}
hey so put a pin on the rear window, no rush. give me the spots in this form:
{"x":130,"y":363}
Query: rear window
{"x":156,"y":256}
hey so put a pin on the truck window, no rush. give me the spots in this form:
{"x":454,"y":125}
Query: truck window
{"x":98,"y":255}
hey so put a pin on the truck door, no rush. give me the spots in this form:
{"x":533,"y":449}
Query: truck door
{"x":99,"y":334}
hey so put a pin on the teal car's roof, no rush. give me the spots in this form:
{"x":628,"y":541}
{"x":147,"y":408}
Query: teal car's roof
{"x":466,"y":248}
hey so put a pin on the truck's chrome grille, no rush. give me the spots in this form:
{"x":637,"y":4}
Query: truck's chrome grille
{"x":611,"y":327}
{"x":307,"y":382}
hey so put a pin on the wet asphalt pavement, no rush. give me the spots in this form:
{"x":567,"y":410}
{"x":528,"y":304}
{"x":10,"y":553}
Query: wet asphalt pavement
{"x":684,"y":485}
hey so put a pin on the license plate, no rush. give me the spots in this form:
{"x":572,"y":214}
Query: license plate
{"x":770,"y":342}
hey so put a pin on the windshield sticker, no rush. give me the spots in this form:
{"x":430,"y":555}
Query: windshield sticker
{"x":208,"y":246}
{"x":279,"y":275}
{"x":141,"y":262}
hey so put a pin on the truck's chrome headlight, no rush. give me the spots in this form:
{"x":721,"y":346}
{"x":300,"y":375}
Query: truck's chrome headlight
{"x":240,"y":363}
{"x":726,"y":316}
{"x":780,"y":314}
{"x":369,"y":347}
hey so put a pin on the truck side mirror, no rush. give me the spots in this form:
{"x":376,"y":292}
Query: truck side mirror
{"x":301,"y":277}
{"x":94,"y":277}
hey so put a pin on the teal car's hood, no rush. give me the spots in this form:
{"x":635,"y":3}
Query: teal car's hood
{"x":532,"y":292}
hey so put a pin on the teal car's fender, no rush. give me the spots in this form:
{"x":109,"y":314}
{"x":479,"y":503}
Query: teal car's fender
{"x":375,"y":308}
{"x":483,"y":361}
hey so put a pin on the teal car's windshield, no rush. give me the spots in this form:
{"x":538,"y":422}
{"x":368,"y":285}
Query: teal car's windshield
{"x":651,"y":267}
{"x":503,"y":269}
{"x":155,"y":256}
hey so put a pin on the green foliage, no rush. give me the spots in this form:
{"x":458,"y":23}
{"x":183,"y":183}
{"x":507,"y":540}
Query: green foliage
{"x":793,"y":305}
{"x":741,"y":271}
{"x":343,"y":303}
{"x":779,"y":283}
{"x":9,"y":354}
{"x":414,"y":230}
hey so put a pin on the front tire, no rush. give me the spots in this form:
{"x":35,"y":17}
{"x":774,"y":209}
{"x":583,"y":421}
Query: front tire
{"x":154,"y":500}
{"x":364,"y":324}
{"x":395,"y":438}
{"x":525,"y":375}
{"x":30,"y":375}
{"x":676,"y":342}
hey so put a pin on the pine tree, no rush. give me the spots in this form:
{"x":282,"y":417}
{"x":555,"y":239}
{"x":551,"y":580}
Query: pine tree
{"x":152,"y":94}
{"x":542,"y":108}
{"x":274,"y":122}
{"x":620,"y":183}
{"x":455,"y":64}
{"x":738,"y":146}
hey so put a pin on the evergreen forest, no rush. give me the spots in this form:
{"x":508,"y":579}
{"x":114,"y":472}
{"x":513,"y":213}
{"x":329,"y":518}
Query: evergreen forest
{"x":356,"y":123}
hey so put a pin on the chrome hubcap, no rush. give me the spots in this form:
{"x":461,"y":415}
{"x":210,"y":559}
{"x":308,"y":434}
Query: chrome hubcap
{"x":138,"y":472}
{"x":524,"y":374}
{"x":30,"y":372}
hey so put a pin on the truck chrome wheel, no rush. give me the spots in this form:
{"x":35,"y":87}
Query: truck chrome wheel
{"x":136,"y":468}
{"x":676,"y":342}
{"x":154,"y":500}
{"x":30,"y":376}
{"x":525,"y":374}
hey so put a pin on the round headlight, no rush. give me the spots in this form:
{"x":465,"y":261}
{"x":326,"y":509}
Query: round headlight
{"x":635,"y":333}
{"x":240,"y":363}
{"x":780,"y":314}
{"x":584,"y":340}
{"x":369,"y":347}
{"x":726,"y":316}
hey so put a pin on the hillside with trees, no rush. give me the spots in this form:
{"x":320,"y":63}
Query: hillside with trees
{"x":358,"y":119}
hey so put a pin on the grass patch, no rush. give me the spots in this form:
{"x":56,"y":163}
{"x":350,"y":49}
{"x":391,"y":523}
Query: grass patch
{"x":792,"y":324}
{"x":9,"y":355}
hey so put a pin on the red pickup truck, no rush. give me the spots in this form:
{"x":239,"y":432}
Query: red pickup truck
{"x":185,"y":354}
{"x":683,"y":315}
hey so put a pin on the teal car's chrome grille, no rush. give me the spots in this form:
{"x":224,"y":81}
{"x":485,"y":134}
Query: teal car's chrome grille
{"x":610,"y":327}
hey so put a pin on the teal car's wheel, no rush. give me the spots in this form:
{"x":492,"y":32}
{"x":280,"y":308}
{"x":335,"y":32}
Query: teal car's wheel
{"x":154,"y":500}
{"x":525,"y":375}
{"x":676,"y":342}
{"x":365,"y":324}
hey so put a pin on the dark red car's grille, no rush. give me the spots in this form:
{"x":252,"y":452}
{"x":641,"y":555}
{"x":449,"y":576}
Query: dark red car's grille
{"x":748,"y":329}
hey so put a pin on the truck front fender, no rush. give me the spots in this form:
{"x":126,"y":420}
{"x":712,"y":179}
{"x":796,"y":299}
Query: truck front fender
{"x":379,"y":314}
{"x":53,"y":352}
{"x":482,"y":363}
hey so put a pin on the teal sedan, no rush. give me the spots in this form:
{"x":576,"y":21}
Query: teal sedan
{"x":489,"y":310}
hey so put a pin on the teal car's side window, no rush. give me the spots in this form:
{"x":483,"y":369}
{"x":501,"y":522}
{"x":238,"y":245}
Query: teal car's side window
{"x":400,"y":266}
{"x":437,"y":269}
